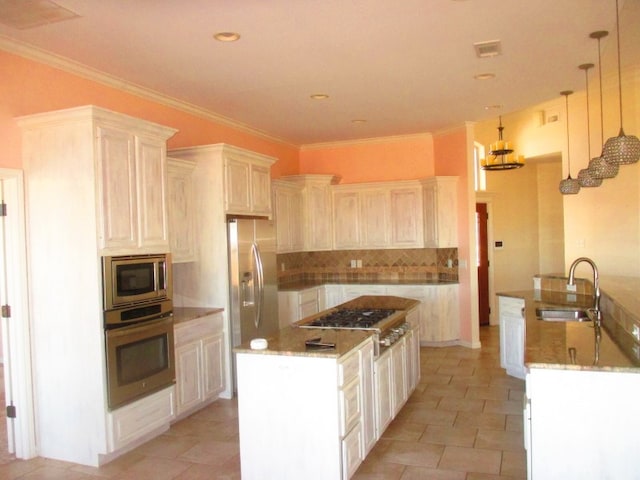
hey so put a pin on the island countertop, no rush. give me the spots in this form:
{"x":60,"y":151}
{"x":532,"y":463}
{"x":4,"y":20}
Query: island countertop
{"x":547,"y":343}
{"x":291,"y":340}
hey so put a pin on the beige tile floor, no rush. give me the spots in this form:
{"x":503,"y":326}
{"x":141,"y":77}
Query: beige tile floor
{"x":463,"y":422}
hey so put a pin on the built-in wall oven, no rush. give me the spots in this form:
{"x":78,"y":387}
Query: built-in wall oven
{"x":139,"y":349}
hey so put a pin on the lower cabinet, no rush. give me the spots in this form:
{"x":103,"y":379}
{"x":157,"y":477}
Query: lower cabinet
{"x":320,"y":422}
{"x":200,"y":362}
{"x":139,"y":421}
{"x":512,"y":335}
{"x":298,"y":304}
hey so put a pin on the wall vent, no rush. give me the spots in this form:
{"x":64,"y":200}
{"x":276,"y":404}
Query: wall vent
{"x":491,"y":48}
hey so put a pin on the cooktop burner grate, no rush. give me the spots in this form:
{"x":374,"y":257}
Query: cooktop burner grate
{"x":351,"y":318}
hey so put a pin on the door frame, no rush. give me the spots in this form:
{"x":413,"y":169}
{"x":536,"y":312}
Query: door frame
{"x":19,"y":378}
{"x":488,"y":199}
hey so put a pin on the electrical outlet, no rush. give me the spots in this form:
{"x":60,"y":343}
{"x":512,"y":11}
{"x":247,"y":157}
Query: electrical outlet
{"x":571,"y":288}
{"x":282,"y":266}
{"x":359,"y":263}
{"x":636,"y":332}
{"x":353,"y":264}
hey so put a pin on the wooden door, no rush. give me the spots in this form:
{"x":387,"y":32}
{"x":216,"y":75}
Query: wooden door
{"x":483,"y":263}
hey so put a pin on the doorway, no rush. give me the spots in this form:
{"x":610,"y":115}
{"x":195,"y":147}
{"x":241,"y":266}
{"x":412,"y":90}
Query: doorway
{"x":484,"y":308}
{"x":19,"y":417}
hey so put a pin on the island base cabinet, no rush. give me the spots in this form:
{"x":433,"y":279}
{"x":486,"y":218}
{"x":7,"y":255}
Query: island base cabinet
{"x":289,"y":418}
{"x":582,"y":424}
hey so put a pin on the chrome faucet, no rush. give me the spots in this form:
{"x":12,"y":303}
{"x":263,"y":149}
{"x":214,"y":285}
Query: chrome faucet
{"x":596,"y":283}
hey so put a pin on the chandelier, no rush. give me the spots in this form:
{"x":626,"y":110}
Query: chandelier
{"x":501,"y":156}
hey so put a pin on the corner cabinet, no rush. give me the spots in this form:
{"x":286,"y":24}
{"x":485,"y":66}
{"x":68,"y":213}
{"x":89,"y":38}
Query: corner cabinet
{"x":200,"y":363}
{"x":247,"y":182}
{"x":95,"y":184}
{"x":440,"y":212}
{"x":181,"y":209}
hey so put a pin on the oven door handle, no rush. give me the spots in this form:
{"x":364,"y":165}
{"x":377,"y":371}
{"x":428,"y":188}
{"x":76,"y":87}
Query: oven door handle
{"x":139,"y":327}
{"x":257,"y":262}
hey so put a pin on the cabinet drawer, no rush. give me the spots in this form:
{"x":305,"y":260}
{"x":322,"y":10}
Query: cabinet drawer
{"x":511,"y":306}
{"x":348,"y":369}
{"x":349,"y":406}
{"x":351,"y":448}
{"x":197,"y":328}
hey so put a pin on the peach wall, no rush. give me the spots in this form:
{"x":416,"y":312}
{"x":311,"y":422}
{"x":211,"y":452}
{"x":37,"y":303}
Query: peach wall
{"x":28,"y":87}
{"x":386,"y":159}
{"x":453,"y":152}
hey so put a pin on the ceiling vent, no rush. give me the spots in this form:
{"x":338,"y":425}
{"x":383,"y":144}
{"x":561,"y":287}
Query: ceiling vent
{"x":491,"y":48}
{"x":23,"y":14}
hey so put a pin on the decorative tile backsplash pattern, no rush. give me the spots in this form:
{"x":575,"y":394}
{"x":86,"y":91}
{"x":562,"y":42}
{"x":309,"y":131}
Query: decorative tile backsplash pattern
{"x":411,"y":264}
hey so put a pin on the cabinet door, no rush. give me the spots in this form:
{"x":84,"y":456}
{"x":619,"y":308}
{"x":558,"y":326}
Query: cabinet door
{"x":181,"y":210}
{"x":384,"y":394}
{"x":440,"y":212}
{"x":375,"y":218}
{"x":288,"y":218}
{"x":238,"y":186}
{"x":346,"y":220}
{"x":214,"y":363}
{"x":189,"y":375}
{"x":319,"y":235}
{"x":407,"y":226}
{"x":151,"y":173}
{"x":260,"y":190}
{"x":368,"y":424}
{"x":399,"y":382}
{"x":512,"y":335}
{"x":118,"y":189}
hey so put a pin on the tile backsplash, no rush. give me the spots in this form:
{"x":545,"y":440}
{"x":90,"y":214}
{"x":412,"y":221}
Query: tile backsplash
{"x":417,"y":264}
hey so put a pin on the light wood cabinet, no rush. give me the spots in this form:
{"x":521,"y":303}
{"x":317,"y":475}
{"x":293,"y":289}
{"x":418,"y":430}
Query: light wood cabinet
{"x":298,"y":304}
{"x":326,"y":395}
{"x":181,"y":209}
{"x":94,"y":185}
{"x":361,"y":218}
{"x":347,"y":233}
{"x":200,"y":362}
{"x":132,"y":180}
{"x":288,"y":208}
{"x":407,"y":224}
{"x":440,"y":212}
{"x":247,"y":181}
{"x":512,"y":325}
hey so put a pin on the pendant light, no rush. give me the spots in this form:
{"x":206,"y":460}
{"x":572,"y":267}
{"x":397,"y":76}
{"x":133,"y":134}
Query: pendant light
{"x":623,"y":149}
{"x":599,"y":167}
{"x":568,"y":186}
{"x":584,"y":176}
{"x":501,"y":156}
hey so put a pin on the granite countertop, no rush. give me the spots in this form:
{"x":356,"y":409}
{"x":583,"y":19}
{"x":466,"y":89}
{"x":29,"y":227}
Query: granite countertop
{"x":291,"y":340}
{"x":186,"y":314}
{"x":296,"y":286}
{"x":547,"y":343}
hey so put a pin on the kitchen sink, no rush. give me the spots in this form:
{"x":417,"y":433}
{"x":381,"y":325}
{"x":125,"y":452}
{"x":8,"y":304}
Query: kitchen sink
{"x":556,"y":314}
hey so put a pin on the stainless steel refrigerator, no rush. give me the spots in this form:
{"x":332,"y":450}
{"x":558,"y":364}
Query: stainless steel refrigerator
{"x":253,"y":279}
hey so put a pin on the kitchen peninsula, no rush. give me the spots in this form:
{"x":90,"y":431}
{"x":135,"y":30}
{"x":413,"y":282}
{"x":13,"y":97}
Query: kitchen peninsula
{"x":582,"y":383}
{"x":315,"y":413}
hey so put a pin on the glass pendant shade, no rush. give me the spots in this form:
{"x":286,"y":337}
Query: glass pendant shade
{"x":600,"y":168}
{"x":622,"y":150}
{"x":569,"y":186}
{"x":586,"y":180}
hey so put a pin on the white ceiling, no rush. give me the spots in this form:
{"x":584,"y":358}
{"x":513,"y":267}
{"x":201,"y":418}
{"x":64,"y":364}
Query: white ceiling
{"x":404,"y":66}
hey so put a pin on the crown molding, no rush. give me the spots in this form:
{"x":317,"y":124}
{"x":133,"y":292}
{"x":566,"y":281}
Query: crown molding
{"x":70,"y":66}
{"x":364,"y":141}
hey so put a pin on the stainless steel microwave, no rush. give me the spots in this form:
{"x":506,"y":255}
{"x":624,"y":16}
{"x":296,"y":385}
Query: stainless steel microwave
{"x":135,"y":279}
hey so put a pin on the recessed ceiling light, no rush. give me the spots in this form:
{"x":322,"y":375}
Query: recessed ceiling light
{"x":319,"y":96}
{"x":358,"y":121}
{"x":493,"y":107}
{"x":485,"y":76}
{"x":227,"y":36}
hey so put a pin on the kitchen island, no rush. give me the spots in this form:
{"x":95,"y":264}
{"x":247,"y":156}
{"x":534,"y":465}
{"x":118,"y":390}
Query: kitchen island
{"x":582,"y":384}
{"x":316,"y":413}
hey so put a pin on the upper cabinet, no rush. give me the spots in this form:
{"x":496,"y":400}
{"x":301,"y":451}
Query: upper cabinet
{"x":247,"y":181}
{"x":181,"y":209}
{"x":440,"y":212}
{"x":287,"y":206}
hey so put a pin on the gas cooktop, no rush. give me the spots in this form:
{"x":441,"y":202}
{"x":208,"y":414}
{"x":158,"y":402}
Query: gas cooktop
{"x":352,"y":318}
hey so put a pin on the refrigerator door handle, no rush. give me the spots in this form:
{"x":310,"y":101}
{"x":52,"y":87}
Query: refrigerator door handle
{"x":260,"y":283}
